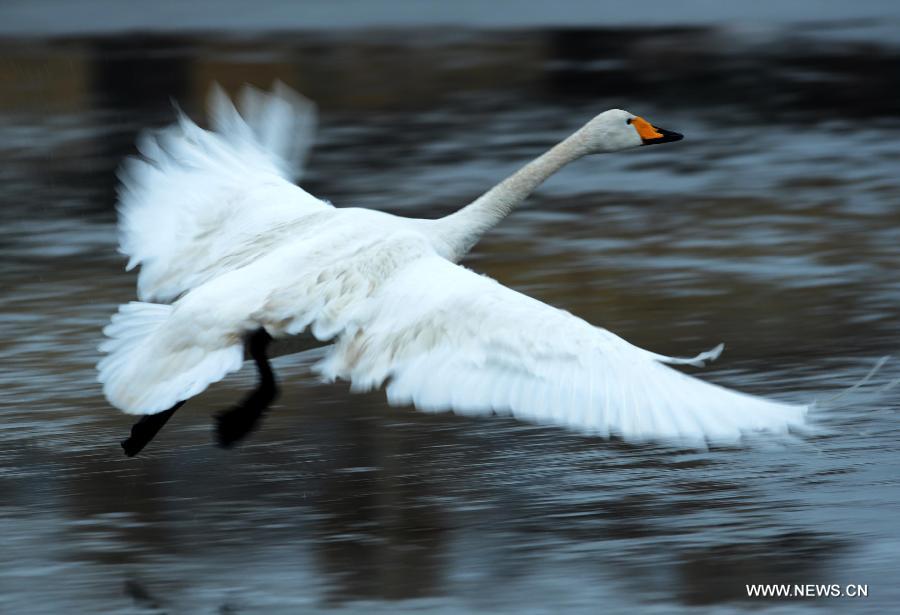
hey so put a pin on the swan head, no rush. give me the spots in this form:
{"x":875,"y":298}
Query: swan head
{"x":615,"y":130}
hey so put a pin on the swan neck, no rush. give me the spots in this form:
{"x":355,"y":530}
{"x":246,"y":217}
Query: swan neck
{"x":460,"y":231}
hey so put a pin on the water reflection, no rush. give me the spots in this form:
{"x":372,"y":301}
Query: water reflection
{"x":773,"y":226}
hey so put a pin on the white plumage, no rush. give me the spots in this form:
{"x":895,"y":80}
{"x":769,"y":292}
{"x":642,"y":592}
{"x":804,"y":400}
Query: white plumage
{"x":197,"y":203}
{"x":221,"y":232}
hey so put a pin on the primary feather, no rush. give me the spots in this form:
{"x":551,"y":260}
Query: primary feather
{"x":197,"y":202}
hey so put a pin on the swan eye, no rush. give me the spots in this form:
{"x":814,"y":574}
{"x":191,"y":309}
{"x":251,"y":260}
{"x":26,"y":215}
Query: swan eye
{"x":628,"y":121}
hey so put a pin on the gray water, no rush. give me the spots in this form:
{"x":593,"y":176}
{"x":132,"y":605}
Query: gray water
{"x":773,"y":227}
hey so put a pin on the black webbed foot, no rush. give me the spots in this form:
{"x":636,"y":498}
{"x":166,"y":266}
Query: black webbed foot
{"x":235,"y":424}
{"x":143,"y":431}
{"x":232,"y":425}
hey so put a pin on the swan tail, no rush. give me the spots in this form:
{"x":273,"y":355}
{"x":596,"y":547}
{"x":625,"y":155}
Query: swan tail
{"x":281,"y":122}
{"x":153,"y":361}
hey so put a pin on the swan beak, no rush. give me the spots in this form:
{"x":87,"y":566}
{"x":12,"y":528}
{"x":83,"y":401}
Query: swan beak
{"x":665,"y":136}
{"x":651,"y":135}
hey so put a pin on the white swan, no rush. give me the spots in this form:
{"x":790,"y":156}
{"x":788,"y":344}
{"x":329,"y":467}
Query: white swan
{"x":220,"y":230}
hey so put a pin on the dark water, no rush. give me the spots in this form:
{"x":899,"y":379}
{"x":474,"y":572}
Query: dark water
{"x":772,"y":227}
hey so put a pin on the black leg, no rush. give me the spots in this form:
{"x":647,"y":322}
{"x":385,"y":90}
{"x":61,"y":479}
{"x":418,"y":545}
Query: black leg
{"x":235,"y":424}
{"x":146,"y":429}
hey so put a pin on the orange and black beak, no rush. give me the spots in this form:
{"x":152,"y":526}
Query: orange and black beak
{"x":651,"y":135}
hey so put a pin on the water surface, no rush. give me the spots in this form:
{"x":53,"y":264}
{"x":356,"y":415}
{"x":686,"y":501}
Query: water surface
{"x":772,"y":227}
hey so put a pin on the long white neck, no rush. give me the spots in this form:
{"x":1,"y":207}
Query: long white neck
{"x":458,"y":232}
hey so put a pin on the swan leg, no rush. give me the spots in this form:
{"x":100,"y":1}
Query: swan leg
{"x":146,"y":429}
{"x":235,"y":424}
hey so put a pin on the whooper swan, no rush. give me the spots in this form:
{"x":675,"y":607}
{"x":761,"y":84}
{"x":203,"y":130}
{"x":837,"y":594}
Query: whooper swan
{"x":229,"y":246}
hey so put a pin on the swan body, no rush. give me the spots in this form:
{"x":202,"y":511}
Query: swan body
{"x":228,"y":244}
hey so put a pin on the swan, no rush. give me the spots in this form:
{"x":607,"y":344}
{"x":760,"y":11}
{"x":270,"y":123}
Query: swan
{"x":231,"y":249}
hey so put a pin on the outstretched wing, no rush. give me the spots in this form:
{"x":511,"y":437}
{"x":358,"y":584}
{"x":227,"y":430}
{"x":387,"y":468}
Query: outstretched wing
{"x":445,"y":338}
{"x":441,"y":336}
{"x":195,"y":204}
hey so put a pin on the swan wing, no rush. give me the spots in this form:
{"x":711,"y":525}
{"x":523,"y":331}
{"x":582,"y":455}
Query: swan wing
{"x":322,"y":282}
{"x":446,"y":338}
{"x":439,"y":335}
{"x":197,"y":203}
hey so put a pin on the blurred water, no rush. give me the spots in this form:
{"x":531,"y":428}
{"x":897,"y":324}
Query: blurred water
{"x":773,"y":227}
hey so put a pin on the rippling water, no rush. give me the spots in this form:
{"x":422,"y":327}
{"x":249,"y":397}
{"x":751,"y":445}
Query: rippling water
{"x":772,"y":227}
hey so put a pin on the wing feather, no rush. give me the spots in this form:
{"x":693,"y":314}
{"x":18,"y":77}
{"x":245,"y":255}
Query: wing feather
{"x":439,"y":336}
{"x":445,"y":338}
{"x":199,"y":203}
